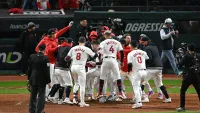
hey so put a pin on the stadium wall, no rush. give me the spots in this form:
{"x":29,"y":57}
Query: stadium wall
{"x":136,"y":23}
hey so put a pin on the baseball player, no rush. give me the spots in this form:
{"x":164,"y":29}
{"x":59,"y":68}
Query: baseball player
{"x":154,"y":68}
{"x":93,"y":71}
{"x":93,"y":77}
{"x":110,"y":47}
{"x":79,"y":55}
{"x":137,"y":61}
{"x":127,"y":48}
{"x":62,"y":72}
{"x":51,"y":41}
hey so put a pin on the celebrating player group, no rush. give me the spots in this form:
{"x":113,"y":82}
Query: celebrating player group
{"x":104,"y":64}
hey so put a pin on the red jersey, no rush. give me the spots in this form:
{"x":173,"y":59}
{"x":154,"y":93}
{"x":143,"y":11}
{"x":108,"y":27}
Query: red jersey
{"x":51,"y":43}
{"x":127,"y":50}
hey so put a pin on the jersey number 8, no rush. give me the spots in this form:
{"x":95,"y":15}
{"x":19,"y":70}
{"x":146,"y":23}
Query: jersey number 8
{"x":78,"y":56}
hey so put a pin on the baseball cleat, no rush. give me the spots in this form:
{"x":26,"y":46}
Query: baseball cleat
{"x":179,"y":73}
{"x":124,"y":95}
{"x":111,"y":98}
{"x":60,"y":102}
{"x":119,"y":98}
{"x":150,"y":93}
{"x":136,"y":106}
{"x":67,"y":101}
{"x":160,"y":96}
{"x":102,"y":99}
{"x":133,"y":100}
{"x":169,"y":100}
{"x":83,"y":104}
{"x":145,"y":100}
{"x":91,"y":97}
{"x":47,"y":100}
{"x":99,"y":96}
{"x":75,"y":101}
{"x":180,"y":109}
{"x":53,"y":100}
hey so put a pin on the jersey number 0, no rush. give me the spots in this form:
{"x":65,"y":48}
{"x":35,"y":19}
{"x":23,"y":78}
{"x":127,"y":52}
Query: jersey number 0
{"x":139,"y":59}
{"x":78,"y":56}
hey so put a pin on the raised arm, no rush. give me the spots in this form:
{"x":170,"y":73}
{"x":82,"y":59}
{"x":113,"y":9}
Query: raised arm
{"x":65,"y":29}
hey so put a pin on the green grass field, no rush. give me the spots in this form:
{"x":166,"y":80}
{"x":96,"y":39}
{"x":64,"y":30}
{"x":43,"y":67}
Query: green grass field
{"x":19,"y":87}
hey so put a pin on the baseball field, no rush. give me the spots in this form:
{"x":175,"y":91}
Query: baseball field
{"x":14,"y":98}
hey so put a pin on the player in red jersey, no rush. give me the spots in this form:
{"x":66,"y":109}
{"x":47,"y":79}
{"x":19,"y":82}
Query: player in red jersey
{"x":51,"y":41}
{"x":125,"y":41}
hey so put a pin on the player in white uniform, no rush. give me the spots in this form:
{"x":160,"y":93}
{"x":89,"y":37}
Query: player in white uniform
{"x":110,"y":47}
{"x":93,"y":74}
{"x":79,"y":55}
{"x":136,"y":61}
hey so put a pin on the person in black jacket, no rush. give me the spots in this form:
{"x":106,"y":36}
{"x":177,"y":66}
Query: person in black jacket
{"x":28,"y":42}
{"x":38,"y":77}
{"x":191,"y":74}
{"x":62,"y":73}
{"x":154,"y":66}
{"x":82,"y":30}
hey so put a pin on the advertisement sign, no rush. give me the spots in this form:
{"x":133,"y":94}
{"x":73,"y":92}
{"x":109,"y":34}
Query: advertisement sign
{"x":41,"y":24}
{"x":10,"y":58}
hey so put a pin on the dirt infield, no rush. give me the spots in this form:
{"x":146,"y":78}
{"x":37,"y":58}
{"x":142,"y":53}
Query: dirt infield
{"x":18,"y":103}
{"x":23,"y":78}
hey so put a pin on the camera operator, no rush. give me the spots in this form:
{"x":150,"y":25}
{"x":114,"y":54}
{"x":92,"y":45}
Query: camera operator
{"x":116,"y":25}
{"x":191,"y":75}
{"x":180,"y":52}
{"x":167,"y":34}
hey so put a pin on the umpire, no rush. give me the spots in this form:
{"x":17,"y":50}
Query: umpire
{"x":191,"y":75}
{"x":38,"y":77}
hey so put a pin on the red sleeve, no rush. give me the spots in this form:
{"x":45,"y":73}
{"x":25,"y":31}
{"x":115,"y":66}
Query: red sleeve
{"x":62,"y":31}
{"x":118,"y":55}
{"x":52,"y":50}
{"x":48,"y":5}
{"x":60,"y":4}
{"x":37,"y":47}
{"x":73,"y":4}
{"x":39,"y":5}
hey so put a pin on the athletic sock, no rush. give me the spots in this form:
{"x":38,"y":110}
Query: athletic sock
{"x":101,"y":84}
{"x":61,"y":91}
{"x":142,"y":87}
{"x":119,"y":85}
{"x":76,"y":95}
{"x":163,"y":89}
{"x":68,"y":91}
{"x":54,"y":89}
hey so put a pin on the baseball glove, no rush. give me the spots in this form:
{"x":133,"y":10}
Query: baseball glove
{"x":28,"y":86}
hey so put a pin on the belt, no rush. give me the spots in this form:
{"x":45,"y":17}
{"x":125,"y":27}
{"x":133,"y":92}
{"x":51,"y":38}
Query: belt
{"x":98,"y":66}
{"x":141,"y":69}
{"x":109,"y":57}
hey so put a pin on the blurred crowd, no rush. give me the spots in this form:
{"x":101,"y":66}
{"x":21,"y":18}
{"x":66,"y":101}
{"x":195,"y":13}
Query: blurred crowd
{"x":46,"y":4}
